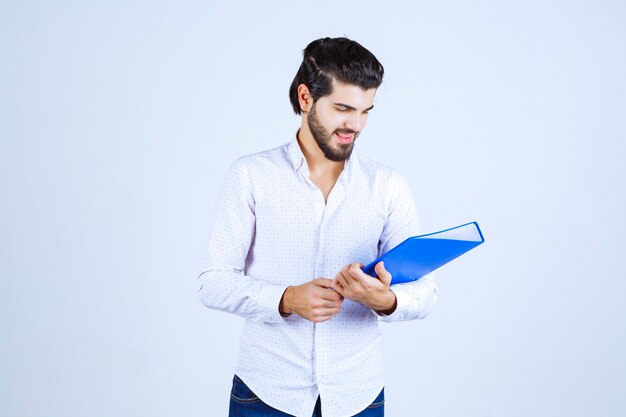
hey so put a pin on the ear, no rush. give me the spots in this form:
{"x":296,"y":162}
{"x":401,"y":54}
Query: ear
{"x":304,"y":98}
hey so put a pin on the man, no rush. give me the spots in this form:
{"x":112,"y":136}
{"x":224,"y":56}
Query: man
{"x":291,"y":225}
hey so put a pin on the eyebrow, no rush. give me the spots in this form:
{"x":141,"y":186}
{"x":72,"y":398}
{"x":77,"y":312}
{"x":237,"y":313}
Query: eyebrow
{"x":353,"y":108}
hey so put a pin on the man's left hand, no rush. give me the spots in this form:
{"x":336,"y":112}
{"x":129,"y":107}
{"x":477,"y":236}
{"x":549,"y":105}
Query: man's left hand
{"x":354,"y":284}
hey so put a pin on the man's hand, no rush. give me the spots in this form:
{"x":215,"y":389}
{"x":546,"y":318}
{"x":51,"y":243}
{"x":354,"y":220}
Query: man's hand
{"x":354,"y":284}
{"x":314,"y":301}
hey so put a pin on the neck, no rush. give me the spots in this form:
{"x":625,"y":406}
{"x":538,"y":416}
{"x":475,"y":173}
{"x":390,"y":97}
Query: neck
{"x":315,"y":158}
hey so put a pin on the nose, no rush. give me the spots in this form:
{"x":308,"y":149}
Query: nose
{"x":356,"y":121}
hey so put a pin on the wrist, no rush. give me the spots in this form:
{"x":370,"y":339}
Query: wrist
{"x":284,"y":308}
{"x":389,"y":305}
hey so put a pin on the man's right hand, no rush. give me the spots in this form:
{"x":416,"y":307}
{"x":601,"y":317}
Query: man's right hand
{"x":314,"y":301}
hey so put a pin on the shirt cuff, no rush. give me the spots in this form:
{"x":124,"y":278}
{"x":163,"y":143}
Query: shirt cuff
{"x":269,"y":301}
{"x":415,"y":300}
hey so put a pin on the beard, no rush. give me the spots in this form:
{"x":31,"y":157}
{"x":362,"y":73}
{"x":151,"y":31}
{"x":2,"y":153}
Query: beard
{"x":325,"y":140}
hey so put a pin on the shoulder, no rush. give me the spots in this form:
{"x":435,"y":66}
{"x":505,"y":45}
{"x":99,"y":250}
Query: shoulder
{"x":261,"y":171}
{"x":260,"y":161}
{"x":379,"y":175}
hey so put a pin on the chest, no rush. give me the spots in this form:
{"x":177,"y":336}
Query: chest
{"x":324,"y":183}
{"x":303,"y":214}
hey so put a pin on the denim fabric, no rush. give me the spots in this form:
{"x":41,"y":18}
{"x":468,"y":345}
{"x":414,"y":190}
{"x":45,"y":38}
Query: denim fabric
{"x":376,"y":408}
{"x":244,"y":403}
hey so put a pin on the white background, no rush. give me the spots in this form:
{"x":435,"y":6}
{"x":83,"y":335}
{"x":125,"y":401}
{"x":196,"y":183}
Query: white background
{"x":118,"y":121}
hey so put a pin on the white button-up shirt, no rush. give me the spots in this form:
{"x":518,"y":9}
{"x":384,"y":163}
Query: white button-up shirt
{"x":273,"y":229}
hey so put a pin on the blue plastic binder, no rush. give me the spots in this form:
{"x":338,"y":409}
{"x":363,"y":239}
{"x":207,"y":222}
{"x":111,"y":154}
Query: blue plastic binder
{"x":420,"y":255}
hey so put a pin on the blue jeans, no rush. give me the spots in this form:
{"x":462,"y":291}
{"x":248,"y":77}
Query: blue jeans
{"x":244,"y":403}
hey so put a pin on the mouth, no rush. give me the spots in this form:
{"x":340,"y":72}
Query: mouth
{"x":345,"y":138}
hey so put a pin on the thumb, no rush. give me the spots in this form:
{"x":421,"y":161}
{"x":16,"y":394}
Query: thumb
{"x":383,"y":274}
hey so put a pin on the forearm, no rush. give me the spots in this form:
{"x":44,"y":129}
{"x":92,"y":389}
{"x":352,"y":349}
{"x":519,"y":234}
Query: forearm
{"x":233,"y":292}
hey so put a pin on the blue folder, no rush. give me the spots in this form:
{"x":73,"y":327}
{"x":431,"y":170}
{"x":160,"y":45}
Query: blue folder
{"x":420,"y":255}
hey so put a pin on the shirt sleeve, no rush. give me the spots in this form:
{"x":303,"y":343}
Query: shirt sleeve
{"x":223,"y":285}
{"x":415,"y":299}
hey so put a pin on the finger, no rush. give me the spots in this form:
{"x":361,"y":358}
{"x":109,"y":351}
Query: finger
{"x":329,"y":310}
{"x":355,"y":271}
{"x":339,"y":288}
{"x":326,"y":312}
{"x":359,"y":279}
{"x":328,"y":304}
{"x":330,"y":294}
{"x":383,"y":274}
{"x":323,"y":282}
{"x":343,"y":281}
{"x":319,"y":319}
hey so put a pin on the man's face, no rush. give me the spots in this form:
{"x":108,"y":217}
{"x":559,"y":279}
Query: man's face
{"x":337,"y":119}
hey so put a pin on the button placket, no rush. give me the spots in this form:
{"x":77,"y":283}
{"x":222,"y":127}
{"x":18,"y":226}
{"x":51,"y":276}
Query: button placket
{"x":323,"y":211}
{"x":321,"y":334}
{"x":320,"y":354}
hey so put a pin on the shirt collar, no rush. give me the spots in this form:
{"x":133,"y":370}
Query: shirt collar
{"x":295,"y":153}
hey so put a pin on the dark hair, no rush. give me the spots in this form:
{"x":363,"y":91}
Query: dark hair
{"x":339,"y":59}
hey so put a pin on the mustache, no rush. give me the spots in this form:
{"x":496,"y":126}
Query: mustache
{"x":345,"y":132}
